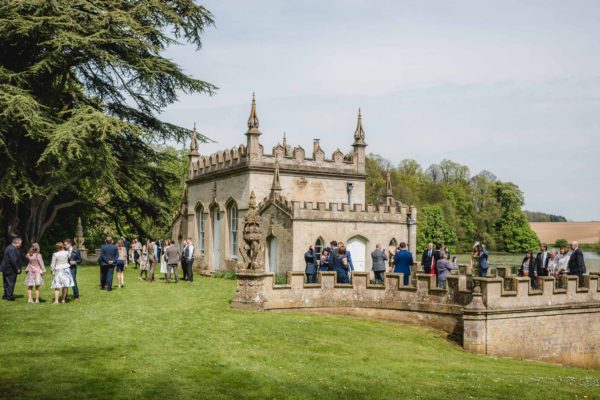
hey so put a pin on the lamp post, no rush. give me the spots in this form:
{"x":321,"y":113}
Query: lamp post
{"x":410,"y":222}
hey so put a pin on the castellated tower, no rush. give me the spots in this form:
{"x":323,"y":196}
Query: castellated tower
{"x":306,"y":199}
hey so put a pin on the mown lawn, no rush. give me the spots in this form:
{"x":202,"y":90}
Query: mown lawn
{"x":158,"y":341}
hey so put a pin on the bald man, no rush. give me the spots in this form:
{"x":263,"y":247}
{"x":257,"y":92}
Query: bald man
{"x":576,"y":264}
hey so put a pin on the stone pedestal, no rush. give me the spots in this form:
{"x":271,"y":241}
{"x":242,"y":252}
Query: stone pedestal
{"x":249,"y":294}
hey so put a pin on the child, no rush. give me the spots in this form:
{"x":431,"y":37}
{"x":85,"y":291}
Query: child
{"x":144,"y":265}
{"x":35,"y":271}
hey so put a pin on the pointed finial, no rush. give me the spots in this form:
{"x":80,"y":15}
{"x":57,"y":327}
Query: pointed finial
{"x":253,"y":118}
{"x":284,"y":144}
{"x":252,"y":201}
{"x":388,"y":183}
{"x":194,"y":141}
{"x":276,"y":186}
{"x":359,"y":133}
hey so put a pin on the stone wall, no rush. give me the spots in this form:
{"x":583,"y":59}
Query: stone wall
{"x":498,"y":315}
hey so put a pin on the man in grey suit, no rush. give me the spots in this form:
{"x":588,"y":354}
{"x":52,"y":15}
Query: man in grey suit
{"x":379,"y":257}
{"x":172,"y":256}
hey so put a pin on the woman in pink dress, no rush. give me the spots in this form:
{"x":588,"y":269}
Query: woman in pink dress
{"x":35,"y":272}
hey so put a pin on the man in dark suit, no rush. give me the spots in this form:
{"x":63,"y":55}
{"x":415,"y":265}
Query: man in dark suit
{"x":109,"y":255}
{"x":187,"y":260}
{"x":311,"y":266}
{"x":74,"y":261}
{"x":541,"y":260}
{"x":576,"y":264}
{"x":426,"y":258}
{"x":11,"y":265}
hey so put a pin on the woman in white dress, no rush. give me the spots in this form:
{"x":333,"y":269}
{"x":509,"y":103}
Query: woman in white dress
{"x":163,"y":261}
{"x":62,"y":273}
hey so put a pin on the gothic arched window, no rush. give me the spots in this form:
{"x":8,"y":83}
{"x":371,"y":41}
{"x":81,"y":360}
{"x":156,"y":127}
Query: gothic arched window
{"x":319,"y":247}
{"x":201,"y":221}
{"x":233,"y":230}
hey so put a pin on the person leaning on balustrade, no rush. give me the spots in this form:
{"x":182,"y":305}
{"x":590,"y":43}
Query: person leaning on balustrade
{"x":528,"y":268}
{"x":443,"y":269}
{"x":563,"y":262}
{"x":379,"y":258}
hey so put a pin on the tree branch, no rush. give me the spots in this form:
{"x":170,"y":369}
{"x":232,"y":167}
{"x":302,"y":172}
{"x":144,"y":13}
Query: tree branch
{"x":55,"y":211}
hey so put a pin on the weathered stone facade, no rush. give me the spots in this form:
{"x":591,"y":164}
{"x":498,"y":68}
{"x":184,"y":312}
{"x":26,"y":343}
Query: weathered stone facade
{"x":499,"y":316}
{"x":305,"y":199}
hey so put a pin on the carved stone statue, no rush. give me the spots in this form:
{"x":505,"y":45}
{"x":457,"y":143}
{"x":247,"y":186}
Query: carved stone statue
{"x":252,"y":249}
{"x":79,"y":240}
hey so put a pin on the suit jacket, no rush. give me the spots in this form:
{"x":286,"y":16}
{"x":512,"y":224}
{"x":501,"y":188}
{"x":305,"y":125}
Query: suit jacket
{"x":172,"y":255}
{"x":108,"y":252}
{"x":403,"y":260}
{"x":576,"y":263}
{"x":379,"y":260}
{"x":542,"y":270}
{"x":12,"y":261}
{"x":426,"y":258}
{"x":75,"y":256}
{"x":309,"y":259}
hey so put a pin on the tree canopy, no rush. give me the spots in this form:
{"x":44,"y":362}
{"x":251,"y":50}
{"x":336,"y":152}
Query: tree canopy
{"x":82,"y":84}
{"x":455,"y":208}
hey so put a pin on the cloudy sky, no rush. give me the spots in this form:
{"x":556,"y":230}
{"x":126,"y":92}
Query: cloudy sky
{"x":508,"y":86}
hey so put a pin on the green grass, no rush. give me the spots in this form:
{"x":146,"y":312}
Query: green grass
{"x":158,"y":341}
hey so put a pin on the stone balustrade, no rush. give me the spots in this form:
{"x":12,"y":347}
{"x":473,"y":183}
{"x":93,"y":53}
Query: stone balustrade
{"x":499,"y":315}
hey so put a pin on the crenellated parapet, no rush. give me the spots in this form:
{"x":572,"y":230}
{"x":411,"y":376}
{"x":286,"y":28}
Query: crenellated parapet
{"x":320,"y":211}
{"x":296,"y":160}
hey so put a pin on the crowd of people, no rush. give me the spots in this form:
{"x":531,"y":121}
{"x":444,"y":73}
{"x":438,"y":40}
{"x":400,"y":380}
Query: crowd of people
{"x":145,"y":257}
{"x":336,"y":258}
{"x":436,"y":261}
{"x":66,"y":259}
{"x":556,"y":262}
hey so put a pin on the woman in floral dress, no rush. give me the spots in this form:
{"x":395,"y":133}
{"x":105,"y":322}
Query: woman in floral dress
{"x":35,"y":272}
{"x":62,"y":273}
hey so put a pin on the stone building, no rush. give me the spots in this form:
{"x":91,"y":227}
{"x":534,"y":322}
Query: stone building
{"x":304,"y":199}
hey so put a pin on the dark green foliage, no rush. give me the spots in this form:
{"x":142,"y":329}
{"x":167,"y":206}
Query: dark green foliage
{"x":535,"y":216}
{"x":454,"y":208}
{"x":82,"y":83}
{"x":433,"y":228}
{"x":561,"y":243}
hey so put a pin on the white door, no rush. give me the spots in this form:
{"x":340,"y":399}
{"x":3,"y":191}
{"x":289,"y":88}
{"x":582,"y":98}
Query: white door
{"x":216,"y":247}
{"x":358,"y":251}
{"x":273,"y":254}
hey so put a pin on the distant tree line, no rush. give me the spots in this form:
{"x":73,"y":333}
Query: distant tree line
{"x":454,"y":207}
{"x":536,"y":216}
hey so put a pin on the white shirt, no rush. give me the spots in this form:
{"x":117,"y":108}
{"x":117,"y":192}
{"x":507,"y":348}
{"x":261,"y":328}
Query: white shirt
{"x":563,"y":262}
{"x":191,"y":250}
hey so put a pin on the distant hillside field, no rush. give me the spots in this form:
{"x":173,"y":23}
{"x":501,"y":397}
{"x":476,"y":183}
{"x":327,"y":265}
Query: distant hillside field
{"x":582,"y":232}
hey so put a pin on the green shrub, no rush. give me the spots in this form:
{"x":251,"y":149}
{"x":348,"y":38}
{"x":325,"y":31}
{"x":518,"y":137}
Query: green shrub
{"x":225,"y":275}
{"x":561,"y":243}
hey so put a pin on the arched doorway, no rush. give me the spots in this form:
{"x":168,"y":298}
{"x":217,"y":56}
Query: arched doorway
{"x":272,"y":254}
{"x":358,"y":249}
{"x":216,"y":238}
{"x":319,"y":247}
